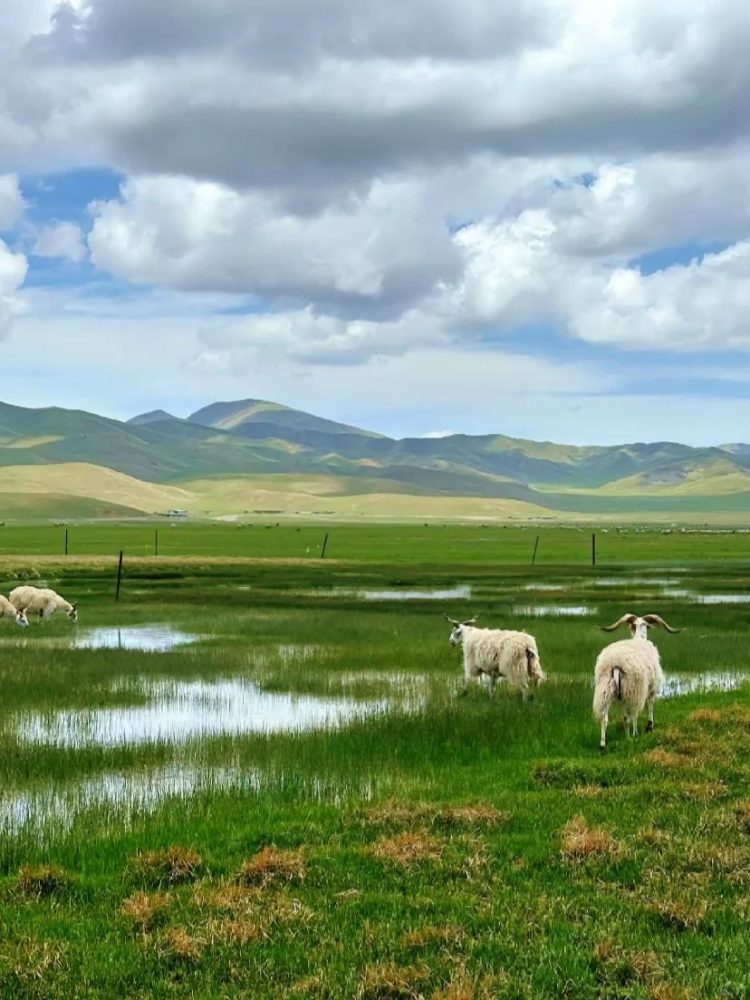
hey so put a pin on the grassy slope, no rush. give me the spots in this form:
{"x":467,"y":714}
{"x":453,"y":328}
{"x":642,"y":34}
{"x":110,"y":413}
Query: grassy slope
{"x":83,"y":481}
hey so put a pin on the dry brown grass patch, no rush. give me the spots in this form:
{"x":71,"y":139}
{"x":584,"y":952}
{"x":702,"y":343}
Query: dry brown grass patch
{"x":442,"y":935}
{"x":473,"y":815}
{"x":408,"y":849}
{"x":589,"y":791}
{"x":706,"y":715}
{"x":167,"y":864}
{"x":670,"y":991}
{"x":742,"y":812}
{"x":178,"y":944}
{"x":271,"y":865}
{"x":626,"y":965}
{"x":39,"y":881}
{"x":684,"y":911}
{"x":667,"y":758}
{"x":704,"y":790}
{"x":144,"y":910}
{"x":579,"y":841}
{"x":464,"y":986}
{"x":29,"y":960}
{"x":233,"y":931}
{"x":386,"y":981}
{"x":653,"y":836}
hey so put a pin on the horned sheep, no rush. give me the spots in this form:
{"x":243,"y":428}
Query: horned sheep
{"x":42,"y":601}
{"x":495,"y":653}
{"x":7,"y":610}
{"x":629,"y":673}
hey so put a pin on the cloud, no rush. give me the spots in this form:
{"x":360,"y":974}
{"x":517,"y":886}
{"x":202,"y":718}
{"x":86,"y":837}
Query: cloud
{"x":13,"y":267}
{"x":12,"y":206}
{"x":61,"y":239}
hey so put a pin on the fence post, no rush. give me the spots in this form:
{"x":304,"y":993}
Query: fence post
{"x":593,"y":548}
{"x":156,"y":541}
{"x":119,"y":577}
{"x":536,"y":546}
{"x":66,"y":541}
{"x":323,"y":550}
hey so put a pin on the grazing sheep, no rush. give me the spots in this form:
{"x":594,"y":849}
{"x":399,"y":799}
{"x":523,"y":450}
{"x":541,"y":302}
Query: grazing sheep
{"x":497,"y":653}
{"x":7,"y":610}
{"x":42,"y":601}
{"x":629,"y":672}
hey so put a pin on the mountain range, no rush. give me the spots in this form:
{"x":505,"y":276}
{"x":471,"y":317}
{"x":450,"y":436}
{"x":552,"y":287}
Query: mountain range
{"x":250,"y":455}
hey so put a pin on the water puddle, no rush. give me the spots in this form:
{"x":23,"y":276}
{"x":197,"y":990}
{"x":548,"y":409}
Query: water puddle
{"x":636,"y":581}
{"x":460,"y":592}
{"x":678,"y":684}
{"x":722,"y":599}
{"x":128,"y":794}
{"x":178,"y":711}
{"x":146,"y":638}
{"x":553,"y":610}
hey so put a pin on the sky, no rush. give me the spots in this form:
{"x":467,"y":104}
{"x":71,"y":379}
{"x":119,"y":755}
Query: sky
{"x":415,"y":216}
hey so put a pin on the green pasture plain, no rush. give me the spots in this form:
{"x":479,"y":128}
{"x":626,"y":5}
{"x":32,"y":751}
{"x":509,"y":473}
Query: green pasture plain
{"x":434,"y":543}
{"x":446,"y":846}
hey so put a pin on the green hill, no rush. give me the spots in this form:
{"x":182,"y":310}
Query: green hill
{"x":248,"y":439}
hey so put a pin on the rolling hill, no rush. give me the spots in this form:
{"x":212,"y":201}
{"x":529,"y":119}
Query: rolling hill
{"x":233,"y":457}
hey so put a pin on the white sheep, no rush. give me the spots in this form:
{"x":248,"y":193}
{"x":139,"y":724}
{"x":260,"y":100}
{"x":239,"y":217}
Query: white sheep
{"x":7,"y":610}
{"x":42,"y":601}
{"x":629,"y":672}
{"x":497,"y":653}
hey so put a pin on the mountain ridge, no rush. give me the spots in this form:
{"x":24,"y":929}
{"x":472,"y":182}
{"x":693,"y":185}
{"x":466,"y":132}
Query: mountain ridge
{"x":252,"y":438}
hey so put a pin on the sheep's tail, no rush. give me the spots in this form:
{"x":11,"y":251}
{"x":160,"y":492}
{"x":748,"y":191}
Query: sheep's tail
{"x":617,"y":677}
{"x":607,"y":690}
{"x":533,"y":666}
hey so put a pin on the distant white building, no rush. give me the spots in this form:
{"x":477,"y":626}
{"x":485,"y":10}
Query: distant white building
{"x":177,"y":513}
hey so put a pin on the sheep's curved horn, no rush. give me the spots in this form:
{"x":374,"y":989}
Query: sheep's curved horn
{"x":470,"y":621}
{"x":451,"y":620}
{"x":625,"y":620}
{"x":656,"y":620}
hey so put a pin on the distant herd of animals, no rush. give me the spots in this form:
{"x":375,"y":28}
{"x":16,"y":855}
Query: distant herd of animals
{"x":627,"y":673}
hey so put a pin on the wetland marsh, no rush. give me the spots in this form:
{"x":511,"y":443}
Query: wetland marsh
{"x":296,"y":799}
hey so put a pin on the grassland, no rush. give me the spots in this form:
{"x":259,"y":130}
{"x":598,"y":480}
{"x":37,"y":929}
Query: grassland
{"x":441,"y":845}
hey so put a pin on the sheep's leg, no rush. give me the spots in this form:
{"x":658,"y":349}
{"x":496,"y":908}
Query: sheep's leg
{"x":603,"y":731}
{"x":493,"y":682}
{"x":650,"y":723}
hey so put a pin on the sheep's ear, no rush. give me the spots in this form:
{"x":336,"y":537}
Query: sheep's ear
{"x":625,"y":620}
{"x":656,"y":620}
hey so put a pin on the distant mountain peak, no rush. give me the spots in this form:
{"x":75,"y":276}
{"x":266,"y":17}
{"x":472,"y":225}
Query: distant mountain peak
{"x":152,"y":417}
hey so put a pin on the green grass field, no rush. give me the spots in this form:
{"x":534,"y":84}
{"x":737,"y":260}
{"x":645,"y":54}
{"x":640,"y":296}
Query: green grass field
{"x":157,"y":841}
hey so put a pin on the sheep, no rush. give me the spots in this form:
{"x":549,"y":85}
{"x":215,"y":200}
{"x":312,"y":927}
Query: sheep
{"x":498,"y":653}
{"x":42,"y":601}
{"x":7,"y":610}
{"x":629,"y":672}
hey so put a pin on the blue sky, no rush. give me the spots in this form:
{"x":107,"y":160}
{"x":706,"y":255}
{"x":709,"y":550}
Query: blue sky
{"x":256,"y":203}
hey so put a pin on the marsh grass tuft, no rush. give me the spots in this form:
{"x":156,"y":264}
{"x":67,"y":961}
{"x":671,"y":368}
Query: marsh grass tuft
{"x":387,"y":981}
{"x":433,"y":936}
{"x":167,"y":865}
{"x":28,"y":963}
{"x":145,"y":910}
{"x":272,"y":866}
{"x":38,"y":882}
{"x":177,"y":944}
{"x":579,"y":841}
{"x":475,"y":815}
{"x":412,"y":847}
{"x":622,"y":966}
